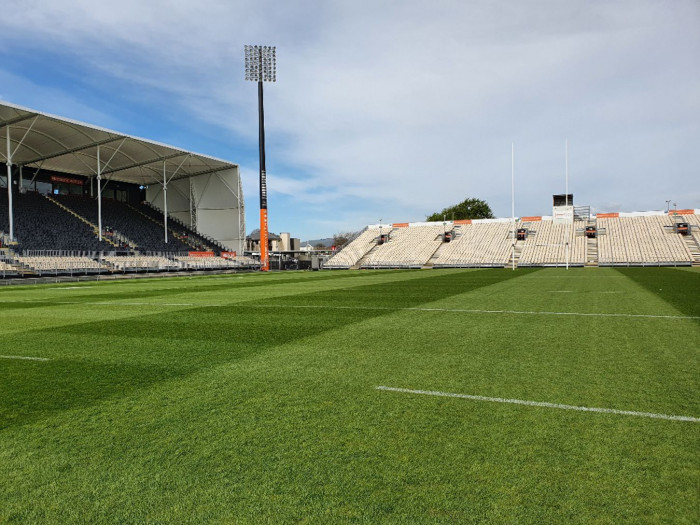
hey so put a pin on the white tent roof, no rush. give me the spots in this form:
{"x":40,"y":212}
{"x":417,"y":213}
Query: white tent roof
{"x":39,"y":140}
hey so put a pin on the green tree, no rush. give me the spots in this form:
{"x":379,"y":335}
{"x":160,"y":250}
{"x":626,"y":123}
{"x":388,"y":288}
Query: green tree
{"x":340,"y":239}
{"x":467,"y":209}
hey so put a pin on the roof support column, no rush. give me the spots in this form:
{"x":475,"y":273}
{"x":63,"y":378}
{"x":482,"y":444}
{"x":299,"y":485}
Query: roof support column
{"x":8,"y":161}
{"x":165,"y":194}
{"x":165,"y":203}
{"x":99,"y":194}
{"x":193,"y":225}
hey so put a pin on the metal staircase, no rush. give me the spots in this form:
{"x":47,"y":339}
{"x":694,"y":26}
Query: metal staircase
{"x":94,"y":227}
{"x":693,"y":247}
{"x":359,"y":263}
{"x":434,"y":257}
{"x":518,"y":246}
{"x":173,"y":233}
{"x":515,"y":254}
{"x":591,"y":248}
{"x":171,"y":218}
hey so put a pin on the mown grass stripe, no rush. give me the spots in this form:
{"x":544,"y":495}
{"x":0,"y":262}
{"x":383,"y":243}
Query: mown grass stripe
{"x":540,"y":404}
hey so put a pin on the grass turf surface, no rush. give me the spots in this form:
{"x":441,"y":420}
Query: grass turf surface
{"x":252,"y":399}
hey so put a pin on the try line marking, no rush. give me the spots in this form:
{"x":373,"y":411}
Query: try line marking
{"x":377,"y":308}
{"x":25,"y":358}
{"x":541,"y":404}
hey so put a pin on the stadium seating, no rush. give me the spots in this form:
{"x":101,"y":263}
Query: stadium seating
{"x":195,"y":240}
{"x":41,"y":225}
{"x":480,"y":244}
{"x":4,"y":221}
{"x":54,"y":237}
{"x":134,"y":263}
{"x":694,"y":221}
{"x":7,"y":269}
{"x":546,"y":244}
{"x":52,"y":264}
{"x":147,"y":235}
{"x":206,"y":263}
{"x":640,"y":240}
{"x":631,"y":239}
{"x":406,"y":248}
{"x":356,"y":249}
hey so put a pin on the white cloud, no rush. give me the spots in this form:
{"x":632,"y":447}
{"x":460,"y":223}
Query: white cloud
{"x":405,"y":107}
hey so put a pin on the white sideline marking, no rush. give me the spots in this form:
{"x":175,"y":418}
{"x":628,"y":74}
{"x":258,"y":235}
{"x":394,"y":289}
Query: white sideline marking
{"x":25,"y":358}
{"x":541,"y":404}
{"x":377,"y":308}
{"x":70,"y":287}
{"x":112,"y":303}
{"x":583,"y":291}
{"x":462,"y":310}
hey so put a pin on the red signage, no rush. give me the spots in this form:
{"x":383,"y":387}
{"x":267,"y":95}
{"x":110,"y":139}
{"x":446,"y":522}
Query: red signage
{"x":67,"y":180}
{"x":228,"y":255}
{"x":201,"y":254}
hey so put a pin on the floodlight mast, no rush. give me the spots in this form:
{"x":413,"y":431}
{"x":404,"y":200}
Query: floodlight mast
{"x":261,"y":66}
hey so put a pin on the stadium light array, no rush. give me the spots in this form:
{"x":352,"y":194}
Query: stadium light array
{"x":261,"y":66}
{"x":260,"y":63}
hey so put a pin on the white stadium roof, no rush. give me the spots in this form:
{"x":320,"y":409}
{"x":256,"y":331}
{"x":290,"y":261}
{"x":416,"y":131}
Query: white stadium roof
{"x":42,"y":141}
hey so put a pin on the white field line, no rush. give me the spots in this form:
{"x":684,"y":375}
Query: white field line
{"x":583,"y":291}
{"x":372,"y":308}
{"x":70,"y":287}
{"x":24,"y":358}
{"x":112,"y":303}
{"x":541,"y":404}
{"x":469,"y":311}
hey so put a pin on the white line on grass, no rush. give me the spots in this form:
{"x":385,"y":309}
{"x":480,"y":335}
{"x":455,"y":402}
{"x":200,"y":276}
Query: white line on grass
{"x":70,"y":287}
{"x":112,"y":303}
{"x":464,"y":310}
{"x":584,"y":291}
{"x":24,"y":358}
{"x":373,"y":308}
{"x":541,"y":404}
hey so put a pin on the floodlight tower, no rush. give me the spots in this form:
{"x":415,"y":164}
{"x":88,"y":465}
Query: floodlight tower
{"x":261,"y":66}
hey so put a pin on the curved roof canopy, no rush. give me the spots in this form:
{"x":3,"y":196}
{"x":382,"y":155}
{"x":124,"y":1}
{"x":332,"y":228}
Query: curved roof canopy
{"x":39,"y":140}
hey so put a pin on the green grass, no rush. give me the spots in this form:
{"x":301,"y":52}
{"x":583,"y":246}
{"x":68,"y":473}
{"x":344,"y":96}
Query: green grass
{"x":252,"y":399}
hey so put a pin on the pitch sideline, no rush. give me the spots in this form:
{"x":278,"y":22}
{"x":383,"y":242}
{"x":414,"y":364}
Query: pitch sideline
{"x":540,"y":404}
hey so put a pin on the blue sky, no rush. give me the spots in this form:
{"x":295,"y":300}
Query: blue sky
{"x":385,"y":109}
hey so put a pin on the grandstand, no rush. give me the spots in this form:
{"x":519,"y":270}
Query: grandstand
{"x":622,"y":239}
{"x":478,"y":243}
{"x":547,"y":243}
{"x":78,"y":198}
{"x":406,"y":247}
{"x":357,"y":248}
{"x":82,"y":199}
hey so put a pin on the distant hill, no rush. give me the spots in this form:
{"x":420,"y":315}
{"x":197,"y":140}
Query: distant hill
{"x":327,"y":242}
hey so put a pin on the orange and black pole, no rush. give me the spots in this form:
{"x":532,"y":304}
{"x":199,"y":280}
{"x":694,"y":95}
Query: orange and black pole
{"x":261,"y":66}
{"x":264,"y":259}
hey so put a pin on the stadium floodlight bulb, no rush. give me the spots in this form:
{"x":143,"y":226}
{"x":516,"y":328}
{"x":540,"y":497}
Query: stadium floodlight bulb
{"x":261,"y":63}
